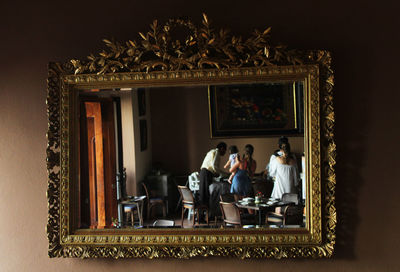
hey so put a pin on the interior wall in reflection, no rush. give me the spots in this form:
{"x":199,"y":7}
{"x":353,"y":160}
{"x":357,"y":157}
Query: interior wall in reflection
{"x":180,"y":125}
{"x":137,"y":161}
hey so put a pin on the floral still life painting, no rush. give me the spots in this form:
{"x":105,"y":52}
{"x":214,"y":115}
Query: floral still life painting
{"x":255,"y":109}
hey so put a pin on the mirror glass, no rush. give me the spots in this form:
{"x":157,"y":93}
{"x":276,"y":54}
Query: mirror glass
{"x":136,"y":146}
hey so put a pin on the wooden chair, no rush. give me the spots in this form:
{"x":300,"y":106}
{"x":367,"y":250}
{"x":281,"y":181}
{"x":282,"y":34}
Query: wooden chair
{"x":188,"y":203}
{"x":230,"y":214}
{"x":293,"y":215}
{"x":291,"y":197}
{"x":230,"y":198}
{"x":289,"y":215}
{"x":154,"y":201}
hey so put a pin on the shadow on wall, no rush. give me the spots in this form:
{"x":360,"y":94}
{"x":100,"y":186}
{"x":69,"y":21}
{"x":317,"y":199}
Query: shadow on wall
{"x":352,"y":97}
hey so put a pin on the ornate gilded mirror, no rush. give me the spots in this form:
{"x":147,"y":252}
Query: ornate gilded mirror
{"x":132,"y":130}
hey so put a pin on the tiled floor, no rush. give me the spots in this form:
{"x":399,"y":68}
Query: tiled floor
{"x":187,"y":223}
{"x":213,"y":222}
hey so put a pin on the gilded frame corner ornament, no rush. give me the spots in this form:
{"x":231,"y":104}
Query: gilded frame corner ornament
{"x":205,"y":56}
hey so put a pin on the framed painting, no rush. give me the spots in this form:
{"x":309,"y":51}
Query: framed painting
{"x":259,"y":109}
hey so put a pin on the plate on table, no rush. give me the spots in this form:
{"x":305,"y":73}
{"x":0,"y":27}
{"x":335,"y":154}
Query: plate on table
{"x":272,"y":201}
{"x":248,"y":199}
{"x":246,"y":202}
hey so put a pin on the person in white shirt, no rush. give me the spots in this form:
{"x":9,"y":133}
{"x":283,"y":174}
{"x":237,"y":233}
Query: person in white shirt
{"x":209,"y":169}
{"x":271,"y":164}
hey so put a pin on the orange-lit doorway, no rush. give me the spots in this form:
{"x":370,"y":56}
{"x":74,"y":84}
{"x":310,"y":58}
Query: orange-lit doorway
{"x":98,"y":197}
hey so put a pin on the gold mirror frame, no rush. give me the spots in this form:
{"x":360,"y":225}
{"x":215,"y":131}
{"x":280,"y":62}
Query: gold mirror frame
{"x":205,"y":57}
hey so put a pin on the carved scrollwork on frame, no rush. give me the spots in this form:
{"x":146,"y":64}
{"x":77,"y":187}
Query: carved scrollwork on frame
{"x":202,"y":48}
{"x":208,"y":56}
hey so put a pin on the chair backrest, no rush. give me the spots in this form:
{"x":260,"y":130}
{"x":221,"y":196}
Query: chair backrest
{"x":290,"y":197}
{"x":231,"y":213}
{"x":293,"y":215}
{"x":146,"y":191}
{"x":227,"y":198}
{"x":163,"y":223}
{"x":187,"y":196}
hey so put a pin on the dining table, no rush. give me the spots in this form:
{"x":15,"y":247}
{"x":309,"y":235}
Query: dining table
{"x":262,"y":207}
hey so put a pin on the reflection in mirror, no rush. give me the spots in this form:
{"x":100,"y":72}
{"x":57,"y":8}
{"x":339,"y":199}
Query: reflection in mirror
{"x":152,"y":158}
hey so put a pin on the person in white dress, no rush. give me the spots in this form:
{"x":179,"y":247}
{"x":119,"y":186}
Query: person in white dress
{"x":283,"y":169}
{"x":277,"y":153}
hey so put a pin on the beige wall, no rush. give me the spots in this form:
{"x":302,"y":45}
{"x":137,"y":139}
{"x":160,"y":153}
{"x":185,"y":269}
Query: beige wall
{"x":128,"y":140}
{"x":143,"y":159}
{"x":181,"y":132}
{"x":363,"y":36}
{"x":137,"y":163}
